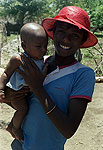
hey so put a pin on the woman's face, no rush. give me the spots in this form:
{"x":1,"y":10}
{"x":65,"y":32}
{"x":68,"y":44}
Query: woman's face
{"x":67,"y":39}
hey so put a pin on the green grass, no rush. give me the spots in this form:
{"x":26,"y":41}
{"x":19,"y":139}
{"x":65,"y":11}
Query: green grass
{"x":11,"y":37}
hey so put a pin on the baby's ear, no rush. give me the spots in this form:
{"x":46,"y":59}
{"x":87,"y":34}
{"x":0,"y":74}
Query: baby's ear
{"x":23,"y":45}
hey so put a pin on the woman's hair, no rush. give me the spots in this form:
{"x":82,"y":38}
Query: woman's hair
{"x":57,"y":22}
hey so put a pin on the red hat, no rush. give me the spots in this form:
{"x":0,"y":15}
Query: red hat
{"x":76,"y":16}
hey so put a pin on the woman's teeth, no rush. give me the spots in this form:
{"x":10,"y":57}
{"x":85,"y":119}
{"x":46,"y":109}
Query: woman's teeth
{"x":64,"y":47}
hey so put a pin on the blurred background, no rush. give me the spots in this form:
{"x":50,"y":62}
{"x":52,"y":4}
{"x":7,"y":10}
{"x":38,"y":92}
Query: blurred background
{"x":15,"y":13}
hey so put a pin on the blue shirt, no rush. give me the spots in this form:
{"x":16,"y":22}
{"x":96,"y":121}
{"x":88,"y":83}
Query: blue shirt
{"x":64,"y":83}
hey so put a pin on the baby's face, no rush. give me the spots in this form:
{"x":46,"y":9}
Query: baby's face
{"x":36,"y":47}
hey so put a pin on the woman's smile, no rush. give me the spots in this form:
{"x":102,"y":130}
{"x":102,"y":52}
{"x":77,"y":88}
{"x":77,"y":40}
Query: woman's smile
{"x":64,"y":47}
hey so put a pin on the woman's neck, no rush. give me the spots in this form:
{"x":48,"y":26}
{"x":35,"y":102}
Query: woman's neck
{"x":62,"y":61}
{"x":59,"y":61}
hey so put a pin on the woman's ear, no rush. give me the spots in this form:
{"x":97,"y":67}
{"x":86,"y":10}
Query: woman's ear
{"x":23,"y":45}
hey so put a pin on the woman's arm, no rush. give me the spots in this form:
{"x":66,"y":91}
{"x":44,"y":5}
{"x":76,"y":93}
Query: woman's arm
{"x":68,"y":123}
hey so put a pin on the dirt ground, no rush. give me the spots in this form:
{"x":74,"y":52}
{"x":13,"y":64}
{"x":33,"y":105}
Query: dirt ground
{"x":89,"y":136}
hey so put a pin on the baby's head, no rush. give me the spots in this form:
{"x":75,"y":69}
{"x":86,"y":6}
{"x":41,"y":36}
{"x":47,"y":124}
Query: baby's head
{"x":34,"y":40}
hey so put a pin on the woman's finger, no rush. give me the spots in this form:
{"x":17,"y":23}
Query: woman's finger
{"x":26,"y":60}
{"x":22,"y":64}
{"x":29,"y":63}
{"x":33,"y":64}
{"x":44,"y":72}
{"x":22,"y":73}
{"x":11,"y":94}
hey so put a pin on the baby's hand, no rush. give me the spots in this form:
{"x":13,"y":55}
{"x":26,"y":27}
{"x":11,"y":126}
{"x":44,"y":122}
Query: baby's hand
{"x":2,"y":96}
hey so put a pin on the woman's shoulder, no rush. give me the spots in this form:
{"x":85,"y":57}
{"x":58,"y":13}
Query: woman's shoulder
{"x":84,"y":70}
{"x":80,"y":65}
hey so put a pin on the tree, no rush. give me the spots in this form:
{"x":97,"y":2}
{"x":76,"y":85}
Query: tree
{"x":22,"y":10}
{"x":97,"y":18}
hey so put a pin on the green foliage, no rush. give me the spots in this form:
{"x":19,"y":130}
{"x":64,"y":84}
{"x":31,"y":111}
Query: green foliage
{"x":97,"y":17}
{"x":23,"y":11}
{"x":93,"y":57}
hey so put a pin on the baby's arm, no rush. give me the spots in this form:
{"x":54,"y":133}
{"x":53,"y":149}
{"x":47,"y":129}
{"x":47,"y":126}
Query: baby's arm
{"x":10,"y":68}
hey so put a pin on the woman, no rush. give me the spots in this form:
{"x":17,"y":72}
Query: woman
{"x":61,"y":100}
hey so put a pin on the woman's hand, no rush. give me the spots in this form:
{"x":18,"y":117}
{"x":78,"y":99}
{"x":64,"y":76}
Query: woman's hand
{"x":31,"y":74}
{"x":11,"y":94}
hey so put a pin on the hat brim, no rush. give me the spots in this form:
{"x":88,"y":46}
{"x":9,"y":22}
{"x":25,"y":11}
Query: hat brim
{"x":49,"y":22}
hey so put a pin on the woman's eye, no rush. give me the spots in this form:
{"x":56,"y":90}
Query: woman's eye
{"x":75,"y":36}
{"x":59,"y":30}
{"x":38,"y":46}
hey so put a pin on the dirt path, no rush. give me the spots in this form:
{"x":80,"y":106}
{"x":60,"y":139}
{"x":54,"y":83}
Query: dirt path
{"x":89,"y":135}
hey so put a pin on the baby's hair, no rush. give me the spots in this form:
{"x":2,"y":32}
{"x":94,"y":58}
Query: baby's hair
{"x":30,"y":29}
{"x":54,"y":28}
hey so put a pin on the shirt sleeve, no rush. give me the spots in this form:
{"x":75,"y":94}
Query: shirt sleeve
{"x":83,"y":84}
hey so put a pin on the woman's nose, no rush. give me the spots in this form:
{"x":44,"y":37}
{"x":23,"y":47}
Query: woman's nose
{"x":67,"y":39}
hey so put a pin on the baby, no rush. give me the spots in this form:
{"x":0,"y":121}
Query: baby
{"x":34,"y":42}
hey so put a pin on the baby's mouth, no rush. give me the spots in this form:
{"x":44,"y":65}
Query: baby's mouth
{"x":64,"y":47}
